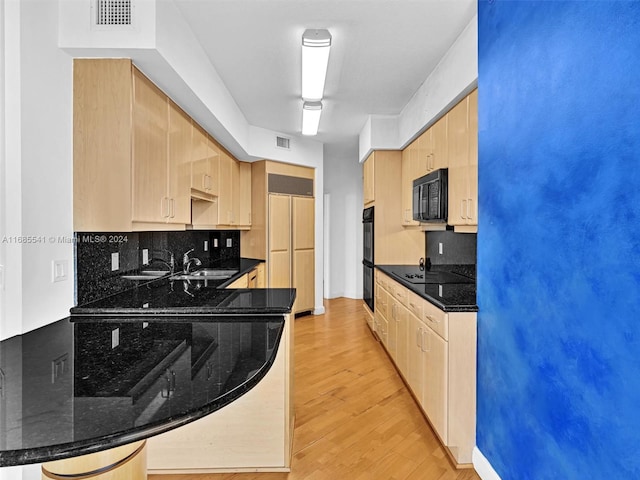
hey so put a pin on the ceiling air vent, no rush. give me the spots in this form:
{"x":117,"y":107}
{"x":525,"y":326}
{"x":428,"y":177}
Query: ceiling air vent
{"x":113,"y":13}
{"x":282,"y":142}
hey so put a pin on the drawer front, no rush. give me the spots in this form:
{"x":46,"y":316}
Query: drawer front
{"x":436,"y":319}
{"x":414,"y":304}
{"x":400,"y":293}
{"x":382,"y":280}
{"x":381,"y":300}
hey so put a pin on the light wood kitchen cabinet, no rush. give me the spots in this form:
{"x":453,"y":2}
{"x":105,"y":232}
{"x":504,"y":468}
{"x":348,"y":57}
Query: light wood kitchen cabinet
{"x":229,"y":191}
{"x":127,"y":176}
{"x":205,"y":159}
{"x":180,"y":137}
{"x":245,"y":195}
{"x":279,"y":241}
{"x":463,"y":164}
{"x":369,"y":180}
{"x":282,"y":228}
{"x":412,"y":164}
{"x":435,"y":352}
{"x":242,"y":282}
{"x":438,"y":152}
{"x":303,"y":233}
{"x":393,"y":244}
{"x":149,"y":155}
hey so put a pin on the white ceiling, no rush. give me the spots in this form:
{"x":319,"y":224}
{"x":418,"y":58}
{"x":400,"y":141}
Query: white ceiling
{"x":382,"y":51}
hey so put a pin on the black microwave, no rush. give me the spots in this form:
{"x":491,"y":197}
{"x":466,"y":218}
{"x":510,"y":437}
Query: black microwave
{"x":430,"y":197}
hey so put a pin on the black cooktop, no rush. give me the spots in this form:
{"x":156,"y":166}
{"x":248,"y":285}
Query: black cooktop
{"x":418,"y":276}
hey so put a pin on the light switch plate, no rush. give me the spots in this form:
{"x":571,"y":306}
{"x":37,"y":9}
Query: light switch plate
{"x":206,"y":245}
{"x":145,"y":256}
{"x":115,"y":337}
{"x":229,"y":243}
{"x":440,"y":248}
{"x":60,"y":270}
{"x":215,"y":243}
{"x":115,"y":261}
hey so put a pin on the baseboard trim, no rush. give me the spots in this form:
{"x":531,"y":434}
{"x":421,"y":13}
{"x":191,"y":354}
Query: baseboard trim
{"x":482,"y":466}
{"x":319,"y":311}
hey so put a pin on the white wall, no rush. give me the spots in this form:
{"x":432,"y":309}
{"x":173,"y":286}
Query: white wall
{"x":454,"y":77}
{"x":37,"y":183}
{"x":343,"y":187}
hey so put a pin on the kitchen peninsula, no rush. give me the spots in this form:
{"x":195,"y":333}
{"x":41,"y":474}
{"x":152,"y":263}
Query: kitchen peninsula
{"x":202,"y":387}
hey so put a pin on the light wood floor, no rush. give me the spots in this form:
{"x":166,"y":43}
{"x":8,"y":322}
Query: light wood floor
{"x":355,"y":419}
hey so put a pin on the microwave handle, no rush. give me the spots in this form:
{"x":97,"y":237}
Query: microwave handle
{"x":420,"y":192}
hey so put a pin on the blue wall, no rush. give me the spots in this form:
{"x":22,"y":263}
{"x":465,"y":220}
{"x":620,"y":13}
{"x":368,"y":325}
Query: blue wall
{"x":559,"y":239}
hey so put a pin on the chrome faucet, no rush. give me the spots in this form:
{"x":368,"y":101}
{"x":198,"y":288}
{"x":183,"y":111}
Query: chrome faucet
{"x":186,"y":261}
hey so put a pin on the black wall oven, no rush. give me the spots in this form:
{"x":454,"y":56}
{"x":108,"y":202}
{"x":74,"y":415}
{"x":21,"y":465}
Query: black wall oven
{"x":367,"y":254}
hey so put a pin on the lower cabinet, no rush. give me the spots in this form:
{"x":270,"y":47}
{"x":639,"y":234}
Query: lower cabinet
{"x":435,"y":352}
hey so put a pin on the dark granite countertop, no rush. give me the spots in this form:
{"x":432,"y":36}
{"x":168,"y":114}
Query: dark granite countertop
{"x":68,"y":391}
{"x":453,"y":287}
{"x":172,"y":296}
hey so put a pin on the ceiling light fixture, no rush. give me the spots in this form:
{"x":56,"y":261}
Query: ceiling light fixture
{"x":311,"y":117}
{"x":315,"y":58}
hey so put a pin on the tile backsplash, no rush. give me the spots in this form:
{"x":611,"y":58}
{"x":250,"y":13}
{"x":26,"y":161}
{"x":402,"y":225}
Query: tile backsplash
{"x":94,"y":256}
{"x":456,"y":248}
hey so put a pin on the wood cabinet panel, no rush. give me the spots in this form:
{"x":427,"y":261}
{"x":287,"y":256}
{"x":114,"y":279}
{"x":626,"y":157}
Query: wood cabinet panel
{"x":180,"y":133}
{"x":242,"y":282}
{"x":434,"y":392}
{"x":150,"y":132}
{"x":304,"y":279}
{"x":280,"y":269}
{"x":279,"y":223}
{"x":369,"y":180}
{"x":245,"y":194}
{"x":102,"y":102}
{"x":303,"y":222}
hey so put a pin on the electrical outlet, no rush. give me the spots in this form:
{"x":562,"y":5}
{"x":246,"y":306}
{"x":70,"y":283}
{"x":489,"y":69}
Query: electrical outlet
{"x":440,"y":248}
{"x":215,"y":243}
{"x":59,"y":367}
{"x":145,"y":256}
{"x":115,"y":261}
{"x":206,"y":246}
{"x":60,"y":269}
{"x":440,"y":291}
{"x":115,"y":338}
{"x":229,"y":242}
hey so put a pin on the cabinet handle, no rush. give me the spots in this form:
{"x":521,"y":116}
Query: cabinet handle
{"x":463,"y":207}
{"x":172,"y":204}
{"x":425,"y":332}
{"x":419,"y":337}
{"x":164,"y":207}
{"x":469,"y":209}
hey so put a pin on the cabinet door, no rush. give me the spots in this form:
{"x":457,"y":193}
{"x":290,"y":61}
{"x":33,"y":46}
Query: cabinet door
{"x":279,"y":263}
{"x":369,"y":179}
{"x":472,"y":212}
{"x":235,"y":192}
{"x":303,"y":280}
{"x":392,"y":329}
{"x":434,"y":398}
{"x":409,"y":162}
{"x":415,"y":363}
{"x":200,"y":161}
{"x":458,"y":163}
{"x":303,"y":230}
{"x":401,"y":318}
{"x":225,"y":195}
{"x":150,"y":171}
{"x":245,"y":194}
{"x":439,"y":144}
{"x":179,"y":192}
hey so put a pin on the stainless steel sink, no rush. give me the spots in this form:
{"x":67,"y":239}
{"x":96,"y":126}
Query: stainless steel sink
{"x":207,"y":274}
{"x":147,"y":275}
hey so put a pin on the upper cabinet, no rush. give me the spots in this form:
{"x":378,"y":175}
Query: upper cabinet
{"x":140,"y":161}
{"x":369,"y":181}
{"x":463,"y":164}
{"x":451,"y":143}
{"x":205,"y":158}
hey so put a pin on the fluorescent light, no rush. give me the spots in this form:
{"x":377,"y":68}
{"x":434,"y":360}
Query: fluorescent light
{"x":311,"y":117}
{"x":315,"y":58}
